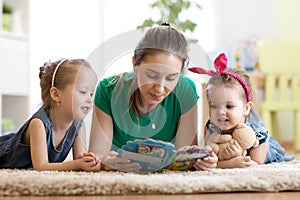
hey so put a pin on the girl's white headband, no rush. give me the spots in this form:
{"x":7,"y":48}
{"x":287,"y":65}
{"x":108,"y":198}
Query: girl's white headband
{"x":54,"y":73}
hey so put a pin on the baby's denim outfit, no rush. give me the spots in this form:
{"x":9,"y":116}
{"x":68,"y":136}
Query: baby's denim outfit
{"x":15,"y":154}
{"x":276,"y":152}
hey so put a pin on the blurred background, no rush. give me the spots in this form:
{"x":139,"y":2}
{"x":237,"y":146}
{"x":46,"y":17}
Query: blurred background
{"x":36,"y":31}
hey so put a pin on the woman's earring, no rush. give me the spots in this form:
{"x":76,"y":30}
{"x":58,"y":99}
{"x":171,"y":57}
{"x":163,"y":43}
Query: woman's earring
{"x":57,"y":103}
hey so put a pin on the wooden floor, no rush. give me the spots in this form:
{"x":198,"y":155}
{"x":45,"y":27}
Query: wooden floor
{"x":210,"y":196}
{"x":213,"y":196}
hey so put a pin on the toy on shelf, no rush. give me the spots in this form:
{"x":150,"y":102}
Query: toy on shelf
{"x":237,"y":59}
{"x":156,"y":155}
{"x":244,"y":53}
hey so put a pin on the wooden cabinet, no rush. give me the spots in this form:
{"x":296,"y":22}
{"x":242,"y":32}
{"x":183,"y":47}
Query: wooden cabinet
{"x":14,"y":68}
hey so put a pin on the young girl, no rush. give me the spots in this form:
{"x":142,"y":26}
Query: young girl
{"x":154,"y":101}
{"x":230,"y":103}
{"x":45,"y":140}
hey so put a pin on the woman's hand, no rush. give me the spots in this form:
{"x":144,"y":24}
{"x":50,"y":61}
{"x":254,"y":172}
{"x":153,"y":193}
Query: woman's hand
{"x":207,"y":163}
{"x":111,"y":162}
{"x":232,"y":151}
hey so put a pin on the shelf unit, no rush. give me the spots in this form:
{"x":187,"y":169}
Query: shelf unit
{"x":14,"y":68}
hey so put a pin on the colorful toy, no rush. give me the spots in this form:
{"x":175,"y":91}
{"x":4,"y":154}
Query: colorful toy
{"x":156,"y":155}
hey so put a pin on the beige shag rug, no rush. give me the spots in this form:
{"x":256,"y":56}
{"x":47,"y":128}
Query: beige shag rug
{"x":274,"y":177}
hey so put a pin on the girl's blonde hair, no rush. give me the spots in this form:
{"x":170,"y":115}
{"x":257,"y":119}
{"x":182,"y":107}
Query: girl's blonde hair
{"x":227,"y":80}
{"x":65,"y":74}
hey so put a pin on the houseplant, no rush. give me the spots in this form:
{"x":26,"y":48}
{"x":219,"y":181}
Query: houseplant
{"x":170,"y":11}
{"x":6,"y":17}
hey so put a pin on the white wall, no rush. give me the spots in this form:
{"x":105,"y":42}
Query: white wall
{"x":61,"y":28}
{"x":75,"y":28}
{"x":239,"y":20}
{"x":68,"y":28}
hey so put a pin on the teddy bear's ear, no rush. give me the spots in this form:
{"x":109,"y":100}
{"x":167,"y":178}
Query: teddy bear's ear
{"x":224,"y":138}
{"x":241,"y":125}
{"x":213,"y":137}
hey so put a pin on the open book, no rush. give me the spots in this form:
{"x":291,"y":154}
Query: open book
{"x":156,"y":155}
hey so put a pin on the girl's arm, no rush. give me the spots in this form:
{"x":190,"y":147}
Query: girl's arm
{"x":187,"y":130}
{"x":101,"y":141}
{"x":101,"y":133}
{"x":258,"y":154}
{"x":187,"y":134}
{"x":79,"y":145}
{"x":39,"y":152}
{"x":236,"y":162}
{"x":80,"y":148}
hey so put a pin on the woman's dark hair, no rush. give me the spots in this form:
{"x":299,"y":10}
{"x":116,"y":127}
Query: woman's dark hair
{"x":162,"y":39}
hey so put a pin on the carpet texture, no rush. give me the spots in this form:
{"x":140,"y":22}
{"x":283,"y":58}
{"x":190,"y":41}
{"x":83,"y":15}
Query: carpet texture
{"x":274,"y":177}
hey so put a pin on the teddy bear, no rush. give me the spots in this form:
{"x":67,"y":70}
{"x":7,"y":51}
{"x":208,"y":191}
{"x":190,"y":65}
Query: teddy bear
{"x":243,"y":134}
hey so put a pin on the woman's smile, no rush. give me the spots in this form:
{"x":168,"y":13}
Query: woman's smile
{"x":156,"y":97}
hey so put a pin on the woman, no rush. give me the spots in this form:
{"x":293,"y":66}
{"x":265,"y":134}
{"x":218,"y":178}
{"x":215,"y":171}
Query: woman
{"x":154,"y":101}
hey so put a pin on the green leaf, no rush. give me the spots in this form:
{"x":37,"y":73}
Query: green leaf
{"x":7,"y":8}
{"x":170,"y":11}
{"x":147,"y":23}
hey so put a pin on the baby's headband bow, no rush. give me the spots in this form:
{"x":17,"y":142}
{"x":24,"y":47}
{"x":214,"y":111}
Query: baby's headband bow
{"x":221,"y":65}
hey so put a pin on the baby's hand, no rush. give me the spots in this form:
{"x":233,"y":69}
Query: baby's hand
{"x":207,"y":163}
{"x":240,"y":162}
{"x":232,"y":151}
